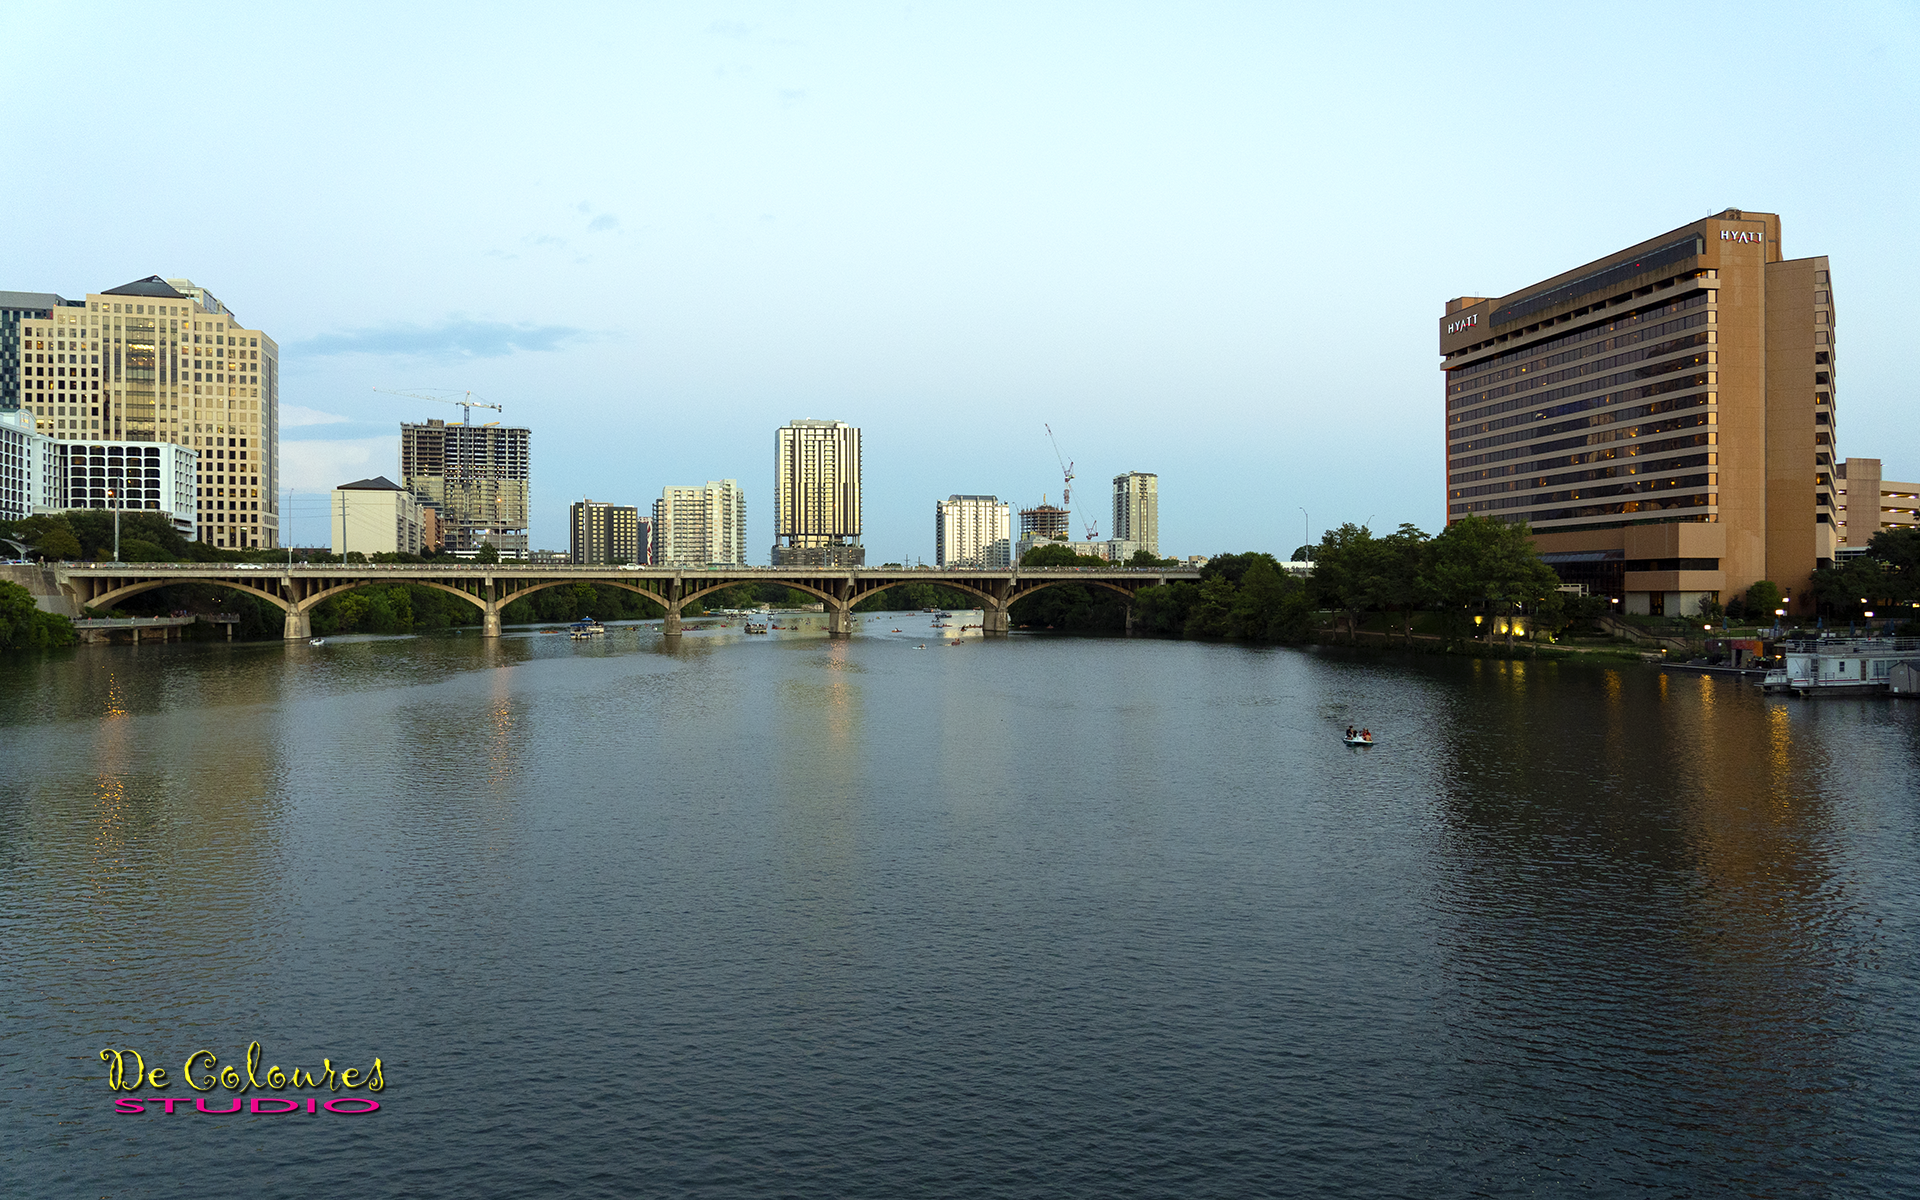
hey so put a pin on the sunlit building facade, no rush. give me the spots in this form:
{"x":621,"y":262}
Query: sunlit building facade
{"x":1663,"y":418}
{"x":609,"y":534}
{"x":701,"y":526}
{"x":972,"y":531}
{"x":1136,"y":510}
{"x":157,"y":360}
{"x":816,"y":495}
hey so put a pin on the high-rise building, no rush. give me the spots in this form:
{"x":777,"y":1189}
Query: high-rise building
{"x":701,"y":526}
{"x":1662,"y":417}
{"x":16,"y":307}
{"x":476,"y":477}
{"x":130,"y":476}
{"x":972,"y":531}
{"x":1044,"y":522}
{"x":157,"y":361}
{"x":377,"y":516}
{"x":609,"y":534}
{"x":1866,"y":503}
{"x":816,"y":495}
{"x":26,"y":468}
{"x":1136,"y":510}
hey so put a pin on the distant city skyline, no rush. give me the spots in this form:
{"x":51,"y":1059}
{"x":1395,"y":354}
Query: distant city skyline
{"x":1207,"y":239}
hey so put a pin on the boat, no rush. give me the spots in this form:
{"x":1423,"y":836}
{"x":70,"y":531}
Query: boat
{"x":586,"y":628}
{"x":1358,"y":741}
{"x":317,"y":642}
{"x":1836,"y":666}
{"x":752,"y":628}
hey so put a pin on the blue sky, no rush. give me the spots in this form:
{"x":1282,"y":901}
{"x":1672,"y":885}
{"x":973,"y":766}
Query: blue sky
{"x":1206,"y":240}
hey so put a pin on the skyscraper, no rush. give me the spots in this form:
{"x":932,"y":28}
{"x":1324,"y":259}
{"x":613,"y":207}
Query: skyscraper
{"x":477,"y":479}
{"x":701,"y":526}
{"x":614,"y":534}
{"x":1663,"y":417}
{"x":156,"y":360}
{"x":972,"y":531}
{"x":816,"y":501}
{"x":1136,"y":510}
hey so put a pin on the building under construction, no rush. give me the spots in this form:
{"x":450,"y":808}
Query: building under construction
{"x":1045,"y":522}
{"x":476,"y":477}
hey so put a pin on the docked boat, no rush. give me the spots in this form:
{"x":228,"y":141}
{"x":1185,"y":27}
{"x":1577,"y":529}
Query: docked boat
{"x":1841,"y":666}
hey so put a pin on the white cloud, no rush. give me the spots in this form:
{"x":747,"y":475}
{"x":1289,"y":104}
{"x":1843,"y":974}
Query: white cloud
{"x":293,"y":414}
{"x":321,"y":466}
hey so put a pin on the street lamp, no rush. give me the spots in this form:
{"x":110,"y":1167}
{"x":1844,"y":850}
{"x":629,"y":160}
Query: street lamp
{"x":113,"y":495}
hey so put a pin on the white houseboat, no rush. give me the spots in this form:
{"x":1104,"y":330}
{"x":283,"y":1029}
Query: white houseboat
{"x":1841,"y":666}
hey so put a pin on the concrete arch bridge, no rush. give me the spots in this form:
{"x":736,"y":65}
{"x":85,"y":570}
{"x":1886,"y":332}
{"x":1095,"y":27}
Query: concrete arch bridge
{"x":297,"y":589}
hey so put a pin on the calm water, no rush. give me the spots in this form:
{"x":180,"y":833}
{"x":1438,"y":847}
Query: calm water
{"x":1033,"y":918}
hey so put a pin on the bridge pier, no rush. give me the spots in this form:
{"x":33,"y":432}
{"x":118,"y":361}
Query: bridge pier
{"x":670,"y":624}
{"x":993,"y":620}
{"x":839,"y":621}
{"x":490,"y":619}
{"x":299,"y":626}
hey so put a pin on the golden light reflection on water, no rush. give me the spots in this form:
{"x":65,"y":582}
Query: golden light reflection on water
{"x":502,"y":755}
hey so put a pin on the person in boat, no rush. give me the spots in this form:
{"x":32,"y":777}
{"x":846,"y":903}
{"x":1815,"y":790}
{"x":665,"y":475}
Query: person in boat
{"x":1350,"y":733}
{"x":1366,"y":735}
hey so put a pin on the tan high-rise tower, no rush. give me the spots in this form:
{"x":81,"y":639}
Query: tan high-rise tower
{"x":1136,"y":510}
{"x":1663,"y":418}
{"x":162,"y":360}
{"x":816,"y":495}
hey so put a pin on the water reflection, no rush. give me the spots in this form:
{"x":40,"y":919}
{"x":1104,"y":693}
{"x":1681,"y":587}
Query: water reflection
{"x":1649,"y":911}
{"x":1025,"y":917}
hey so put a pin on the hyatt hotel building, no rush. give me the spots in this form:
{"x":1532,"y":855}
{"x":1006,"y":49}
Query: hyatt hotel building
{"x":1662,"y":418}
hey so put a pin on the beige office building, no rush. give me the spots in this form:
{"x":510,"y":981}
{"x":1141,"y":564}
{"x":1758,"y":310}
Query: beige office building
{"x":1136,"y":510}
{"x":162,"y":360}
{"x":1663,"y":417}
{"x":701,"y":526}
{"x":816,"y":495}
{"x":478,"y":480}
{"x":377,"y":516}
{"x":1865,"y":503}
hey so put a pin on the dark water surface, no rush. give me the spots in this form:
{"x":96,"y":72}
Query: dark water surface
{"x":1029,"y":918}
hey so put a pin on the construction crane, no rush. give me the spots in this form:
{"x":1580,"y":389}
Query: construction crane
{"x":1066,"y":488}
{"x":467,"y":402}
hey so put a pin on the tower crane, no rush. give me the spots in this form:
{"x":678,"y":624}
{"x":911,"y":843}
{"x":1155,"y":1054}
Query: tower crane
{"x":1066,"y":488}
{"x":467,"y":402}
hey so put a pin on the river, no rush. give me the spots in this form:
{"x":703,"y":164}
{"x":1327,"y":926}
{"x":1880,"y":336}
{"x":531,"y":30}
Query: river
{"x":895,"y":917}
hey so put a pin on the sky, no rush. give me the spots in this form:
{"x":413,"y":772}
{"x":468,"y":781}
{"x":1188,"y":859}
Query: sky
{"x":1207,"y":240}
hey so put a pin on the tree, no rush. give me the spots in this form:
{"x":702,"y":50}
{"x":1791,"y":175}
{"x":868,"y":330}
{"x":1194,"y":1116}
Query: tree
{"x":24,"y":626}
{"x":1270,"y":605}
{"x":1477,"y":560}
{"x":1055,"y":555}
{"x":1347,"y":573}
{"x":1401,"y":567}
{"x":1762,"y":599}
{"x":487,"y":553}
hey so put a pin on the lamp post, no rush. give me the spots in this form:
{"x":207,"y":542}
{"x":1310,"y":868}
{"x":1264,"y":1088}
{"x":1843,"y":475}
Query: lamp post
{"x":113,"y":495}
{"x":1306,"y":532}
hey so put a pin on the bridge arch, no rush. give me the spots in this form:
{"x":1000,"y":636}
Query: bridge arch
{"x":114,"y":596}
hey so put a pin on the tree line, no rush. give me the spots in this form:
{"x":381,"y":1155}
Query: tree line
{"x":1476,"y":566}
